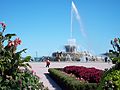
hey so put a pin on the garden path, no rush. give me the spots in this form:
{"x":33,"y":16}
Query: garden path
{"x":42,"y":71}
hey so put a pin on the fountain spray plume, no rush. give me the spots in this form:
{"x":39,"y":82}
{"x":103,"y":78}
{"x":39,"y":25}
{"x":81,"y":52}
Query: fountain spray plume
{"x":74,"y":9}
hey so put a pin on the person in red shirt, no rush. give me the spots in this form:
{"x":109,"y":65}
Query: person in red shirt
{"x":47,"y":63}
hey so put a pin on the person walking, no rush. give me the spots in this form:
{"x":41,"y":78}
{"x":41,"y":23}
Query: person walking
{"x":47,"y":63}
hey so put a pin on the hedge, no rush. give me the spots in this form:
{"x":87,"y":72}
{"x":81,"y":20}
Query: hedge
{"x":67,"y":82}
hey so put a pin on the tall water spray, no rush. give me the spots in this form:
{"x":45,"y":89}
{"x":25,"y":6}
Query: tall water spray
{"x":74,"y":10}
{"x":77,"y":15}
{"x":72,"y":46}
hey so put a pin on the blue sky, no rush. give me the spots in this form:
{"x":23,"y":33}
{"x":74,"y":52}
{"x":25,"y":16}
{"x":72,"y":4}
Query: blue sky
{"x":44,"y":25}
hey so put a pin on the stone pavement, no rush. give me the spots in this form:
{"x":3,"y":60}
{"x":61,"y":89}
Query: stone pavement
{"x":42,"y":71}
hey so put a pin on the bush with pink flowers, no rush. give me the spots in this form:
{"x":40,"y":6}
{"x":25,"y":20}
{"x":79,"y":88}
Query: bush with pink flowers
{"x":11,"y":61}
{"x":111,"y":77}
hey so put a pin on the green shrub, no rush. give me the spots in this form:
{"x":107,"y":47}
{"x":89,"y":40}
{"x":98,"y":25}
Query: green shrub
{"x":67,"y":82}
{"x":115,"y":60}
{"x":12,"y":77}
{"x":111,"y":77}
{"x":114,"y":77}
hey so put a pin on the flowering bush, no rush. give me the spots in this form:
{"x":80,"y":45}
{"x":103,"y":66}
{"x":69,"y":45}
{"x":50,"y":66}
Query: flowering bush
{"x":115,"y":53}
{"x":11,"y":62}
{"x":111,"y":78}
{"x":90,"y":75}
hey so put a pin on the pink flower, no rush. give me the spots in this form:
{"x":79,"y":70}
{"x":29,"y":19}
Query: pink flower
{"x":10,"y":43}
{"x":3,"y":25}
{"x":17,"y":41}
{"x":33,"y":71}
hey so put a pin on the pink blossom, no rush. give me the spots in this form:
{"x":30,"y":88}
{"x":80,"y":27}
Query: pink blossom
{"x":10,"y":43}
{"x":33,"y":71}
{"x":3,"y":25}
{"x":17,"y":41}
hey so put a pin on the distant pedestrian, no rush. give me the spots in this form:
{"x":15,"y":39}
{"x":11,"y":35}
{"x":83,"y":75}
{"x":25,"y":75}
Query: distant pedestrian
{"x":86,"y":59}
{"x":47,"y":63}
{"x":106,"y":59}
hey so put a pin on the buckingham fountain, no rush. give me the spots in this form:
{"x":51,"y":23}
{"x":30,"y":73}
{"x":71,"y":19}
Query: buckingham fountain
{"x":71,"y":52}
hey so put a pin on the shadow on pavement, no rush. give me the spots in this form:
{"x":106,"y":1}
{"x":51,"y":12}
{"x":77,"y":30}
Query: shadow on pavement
{"x":52,"y":82}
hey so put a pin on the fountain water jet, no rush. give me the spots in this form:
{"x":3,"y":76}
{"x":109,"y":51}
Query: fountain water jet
{"x":74,"y":10}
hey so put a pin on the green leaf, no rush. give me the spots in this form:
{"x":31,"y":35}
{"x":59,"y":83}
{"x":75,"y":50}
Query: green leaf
{"x":22,"y":65}
{"x":22,"y":51}
{"x":27,"y":59}
{"x":8,"y":36}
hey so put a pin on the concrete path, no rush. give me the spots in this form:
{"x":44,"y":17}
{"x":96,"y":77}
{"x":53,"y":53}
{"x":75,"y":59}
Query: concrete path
{"x":42,"y":71}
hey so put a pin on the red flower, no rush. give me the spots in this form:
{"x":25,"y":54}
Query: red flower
{"x":17,"y":41}
{"x":10,"y":43}
{"x":91,"y":75}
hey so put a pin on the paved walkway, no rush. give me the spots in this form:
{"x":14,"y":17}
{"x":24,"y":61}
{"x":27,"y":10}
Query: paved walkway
{"x":42,"y":71}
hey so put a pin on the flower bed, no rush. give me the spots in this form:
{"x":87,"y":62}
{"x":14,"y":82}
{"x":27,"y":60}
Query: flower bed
{"x":69,"y":81}
{"x":92,"y":75}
